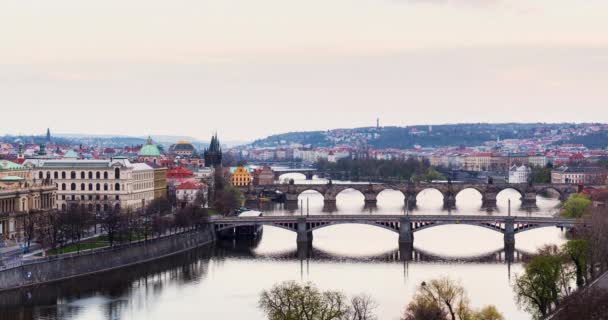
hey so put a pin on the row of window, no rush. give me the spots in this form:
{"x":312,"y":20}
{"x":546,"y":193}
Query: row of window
{"x":83,"y":187}
{"x":84,"y":197}
{"x":83,"y":175}
{"x":143,"y":185}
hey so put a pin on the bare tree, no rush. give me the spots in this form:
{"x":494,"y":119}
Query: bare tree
{"x":363,"y":307}
{"x":290,"y":300}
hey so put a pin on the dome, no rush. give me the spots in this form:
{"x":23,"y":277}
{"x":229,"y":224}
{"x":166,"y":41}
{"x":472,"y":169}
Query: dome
{"x":149,"y":150}
{"x":182,"y":146}
{"x":71,"y":154}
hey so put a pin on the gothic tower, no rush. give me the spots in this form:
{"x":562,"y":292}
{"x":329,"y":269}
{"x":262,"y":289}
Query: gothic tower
{"x":213,"y":155}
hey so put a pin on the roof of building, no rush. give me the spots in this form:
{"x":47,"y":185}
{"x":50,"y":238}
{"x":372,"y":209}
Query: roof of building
{"x":149,"y":150}
{"x":6,"y":165}
{"x":182,"y":146}
{"x":190,"y":185}
{"x":71,"y":163}
{"x":11,"y":178}
{"x":71,"y":154}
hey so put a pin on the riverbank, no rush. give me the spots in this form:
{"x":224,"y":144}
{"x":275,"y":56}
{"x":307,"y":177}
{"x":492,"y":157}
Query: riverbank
{"x":72,"y":265}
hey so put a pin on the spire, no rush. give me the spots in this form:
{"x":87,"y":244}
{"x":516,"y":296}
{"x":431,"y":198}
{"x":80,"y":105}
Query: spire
{"x":48,"y":135}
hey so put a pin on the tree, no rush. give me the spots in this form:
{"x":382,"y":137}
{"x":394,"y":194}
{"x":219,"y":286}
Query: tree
{"x":443,"y":299}
{"x":488,"y":313}
{"x":423,"y":309}
{"x":577,"y":251}
{"x":541,"y":174}
{"x":577,"y":206}
{"x":227,"y":200}
{"x":110,"y":222}
{"x":542,"y":285}
{"x":362,"y":308}
{"x":448,"y":294}
{"x":292,"y":301}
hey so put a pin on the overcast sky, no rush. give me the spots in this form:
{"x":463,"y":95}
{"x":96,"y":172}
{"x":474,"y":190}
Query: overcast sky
{"x":252,"y":68}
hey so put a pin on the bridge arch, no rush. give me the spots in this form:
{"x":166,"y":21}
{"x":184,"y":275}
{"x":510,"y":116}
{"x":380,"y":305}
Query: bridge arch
{"x":544,"y":189}
{"x":341,"y":190}
{"x":282,"y":176}
{"x":478,"y":191}
{"x":521,"y":192}
{"x":391,"y":226}
{"x":497,"y":227}
{"x":432,"y":189}
{"x":312,"y":188}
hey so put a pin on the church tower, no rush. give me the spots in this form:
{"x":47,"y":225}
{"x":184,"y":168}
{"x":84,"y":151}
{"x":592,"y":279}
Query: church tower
{"x":213,"y":155}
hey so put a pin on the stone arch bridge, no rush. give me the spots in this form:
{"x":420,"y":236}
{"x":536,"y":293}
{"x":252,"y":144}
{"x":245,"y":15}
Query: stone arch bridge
{"x":404,"y":225}
{"x":449,"y":191}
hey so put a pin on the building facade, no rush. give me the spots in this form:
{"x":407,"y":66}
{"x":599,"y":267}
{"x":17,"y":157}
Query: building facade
{"x":21,"y":196}
{"x":240,"y":176}
{"x":519,"y":174}
{"x":187,"y":192}
{"x":579,"y":175}
{"x":263,"y":176}
{"x":97,"y":184}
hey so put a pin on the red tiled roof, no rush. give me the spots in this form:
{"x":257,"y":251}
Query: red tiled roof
{"x":190,"y":185}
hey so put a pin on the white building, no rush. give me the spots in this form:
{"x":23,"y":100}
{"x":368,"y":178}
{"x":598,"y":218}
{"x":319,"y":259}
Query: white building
{"x":519,"y":174}
{"x":187,"y":192}
{"x":97,"y":184}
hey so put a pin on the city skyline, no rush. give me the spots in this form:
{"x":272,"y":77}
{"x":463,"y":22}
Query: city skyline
{"x":249,"y":71}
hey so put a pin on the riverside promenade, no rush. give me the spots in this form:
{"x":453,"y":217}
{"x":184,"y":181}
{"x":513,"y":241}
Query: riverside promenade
{"x":34,"y":272}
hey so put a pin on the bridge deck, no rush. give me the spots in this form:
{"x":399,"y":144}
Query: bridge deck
{"x":412,"y":218}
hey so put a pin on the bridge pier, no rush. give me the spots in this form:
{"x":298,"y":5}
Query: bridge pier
{"x":528,"y":201}
{"x":370,"y":198}
{"x":304,"y":235}
{"x":410,"y":201}
{"x":449,"y":202}
{"x":406,"y":234}
{"x":291,"y":197}
{"x":509,"y":235}
{"x":488,"y":200}
{"x":309,"y":175}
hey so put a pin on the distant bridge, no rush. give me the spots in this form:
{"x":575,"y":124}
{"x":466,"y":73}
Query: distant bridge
{"x":449,"y":191}
{"x":308,"y":172}
{"x":404,"y":225}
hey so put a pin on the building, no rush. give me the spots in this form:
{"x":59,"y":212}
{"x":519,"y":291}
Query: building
{"x":213,"y":155}
{"x":149,"y":153}
{"x":519,"y":174}
{"x":182,"y":149}
{"x":240,"y":176}
{"x":263,"y":176}
{"x":478,"y":162}
{"x":579,"y":175}
{"x":97,"y":184}
{"x":11,"y":169}
{"x":21,"y":196}
{"x":160,"y":181}
{"x":187,"y":192}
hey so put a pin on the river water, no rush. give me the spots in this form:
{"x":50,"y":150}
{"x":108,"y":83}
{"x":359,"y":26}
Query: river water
{"x":224,"y":280}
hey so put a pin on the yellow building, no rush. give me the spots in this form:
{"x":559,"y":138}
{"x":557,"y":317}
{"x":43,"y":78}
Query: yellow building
{"x":160,"y":182}
{"x":240,"y":176}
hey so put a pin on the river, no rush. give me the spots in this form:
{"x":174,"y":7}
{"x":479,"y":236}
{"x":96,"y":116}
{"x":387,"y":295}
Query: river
{"x":224,"y":280}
